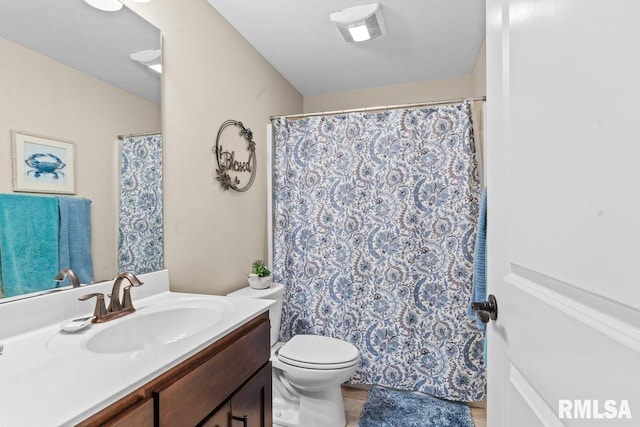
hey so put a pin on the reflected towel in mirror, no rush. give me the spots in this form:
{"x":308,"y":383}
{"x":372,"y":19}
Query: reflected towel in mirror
{"x":75,"y":238}
{"x":28,"y":243}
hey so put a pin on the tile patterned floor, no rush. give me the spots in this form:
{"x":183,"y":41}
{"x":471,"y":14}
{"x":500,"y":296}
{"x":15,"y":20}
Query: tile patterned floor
{"x":354,"y":399}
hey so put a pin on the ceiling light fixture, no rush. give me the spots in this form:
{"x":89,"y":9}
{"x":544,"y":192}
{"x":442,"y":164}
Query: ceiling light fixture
{"x":110,"y":5}
{"x":152,"y":58}
{"x":360,"y":23}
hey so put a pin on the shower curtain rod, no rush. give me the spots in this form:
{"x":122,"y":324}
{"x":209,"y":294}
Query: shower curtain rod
{"x":379,"y":108}
{"x":121,"y":137}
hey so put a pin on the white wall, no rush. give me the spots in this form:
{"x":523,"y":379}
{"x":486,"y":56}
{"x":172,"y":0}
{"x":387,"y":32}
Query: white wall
{"x":42,"y":96}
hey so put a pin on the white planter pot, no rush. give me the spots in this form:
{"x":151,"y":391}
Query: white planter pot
{"x":259,"y":282}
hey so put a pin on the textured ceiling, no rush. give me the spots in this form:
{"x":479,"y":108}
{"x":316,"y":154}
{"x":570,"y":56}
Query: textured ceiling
{"x":425,"y":40}
{"x":94,"y":42}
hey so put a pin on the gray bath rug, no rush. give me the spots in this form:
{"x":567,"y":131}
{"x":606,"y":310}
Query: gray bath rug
{"x":394,"y":408}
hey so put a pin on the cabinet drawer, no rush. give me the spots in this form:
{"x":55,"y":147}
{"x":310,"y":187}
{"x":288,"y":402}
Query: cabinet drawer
{"x":139,"y":415}
{"x":188,"y":400}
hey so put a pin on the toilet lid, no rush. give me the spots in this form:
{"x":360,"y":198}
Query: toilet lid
{"x":318,"y":352}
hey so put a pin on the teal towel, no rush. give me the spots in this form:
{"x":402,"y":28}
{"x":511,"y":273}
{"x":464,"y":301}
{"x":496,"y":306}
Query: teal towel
{"x":28,"y":243}
{"x":75,"y":238}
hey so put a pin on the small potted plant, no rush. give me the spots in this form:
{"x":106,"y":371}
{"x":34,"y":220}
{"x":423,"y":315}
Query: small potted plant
{"x":260,"y":277}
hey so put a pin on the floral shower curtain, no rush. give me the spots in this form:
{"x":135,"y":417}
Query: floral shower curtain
{"x":140,"y":231}
{"x":375,"y":217}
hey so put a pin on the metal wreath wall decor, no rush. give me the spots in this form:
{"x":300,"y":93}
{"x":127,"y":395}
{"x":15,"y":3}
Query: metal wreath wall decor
{"x":228,"y":166}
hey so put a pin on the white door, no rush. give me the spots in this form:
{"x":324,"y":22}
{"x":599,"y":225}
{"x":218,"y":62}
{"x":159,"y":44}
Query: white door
{"x":563,"y":144}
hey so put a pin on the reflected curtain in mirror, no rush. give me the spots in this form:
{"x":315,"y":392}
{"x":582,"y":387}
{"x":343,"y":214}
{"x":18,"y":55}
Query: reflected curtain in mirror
{"x":140,"y":231}
{"x":74,"y":246}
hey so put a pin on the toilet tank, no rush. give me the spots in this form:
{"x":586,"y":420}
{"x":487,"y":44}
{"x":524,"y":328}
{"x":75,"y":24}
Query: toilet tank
{"x":273,"y":292}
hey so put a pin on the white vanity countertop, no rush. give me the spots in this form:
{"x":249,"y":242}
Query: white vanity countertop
{"x":48,"y":379}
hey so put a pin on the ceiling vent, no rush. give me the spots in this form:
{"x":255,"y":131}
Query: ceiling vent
{"x":360,"y":23}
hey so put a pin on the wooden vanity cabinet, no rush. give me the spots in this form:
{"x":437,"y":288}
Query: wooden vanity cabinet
{"x":252,"y":400}
{"x":139,"y":415}
{"x":221,"y":417}
{"x":216,"y":387}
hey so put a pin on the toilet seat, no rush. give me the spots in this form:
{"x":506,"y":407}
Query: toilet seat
{"x":318,"y":352}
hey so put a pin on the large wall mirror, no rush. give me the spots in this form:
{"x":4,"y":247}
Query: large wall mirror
{"x":67,"y":75}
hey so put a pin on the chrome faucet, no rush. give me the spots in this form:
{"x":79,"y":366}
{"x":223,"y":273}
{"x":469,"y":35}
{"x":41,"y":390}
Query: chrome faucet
{"x":72,"y":275}
{"x":116,"y":307}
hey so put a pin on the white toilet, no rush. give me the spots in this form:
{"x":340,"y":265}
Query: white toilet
{"x":307,"y":371}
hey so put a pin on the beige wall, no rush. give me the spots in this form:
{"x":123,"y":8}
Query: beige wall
{"x":429,"y":90}
{"x":44,"y":97}
{"x":211,"y":74}
{"x":479,"y":73}
{"x":479,"y":88}
{"x":406,"y":93}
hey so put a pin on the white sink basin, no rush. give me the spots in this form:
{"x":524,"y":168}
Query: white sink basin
{"x":151,"y":327}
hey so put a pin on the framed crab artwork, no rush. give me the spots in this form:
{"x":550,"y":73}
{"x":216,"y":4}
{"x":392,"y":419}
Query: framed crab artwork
{"x":42,"y":164}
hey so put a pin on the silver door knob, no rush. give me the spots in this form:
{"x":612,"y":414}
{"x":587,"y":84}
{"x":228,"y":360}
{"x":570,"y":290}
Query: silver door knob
{"x":487,"y":310}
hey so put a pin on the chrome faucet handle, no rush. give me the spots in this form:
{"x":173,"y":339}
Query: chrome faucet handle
{"x":100,"y":311}
{"x":72,"y":275}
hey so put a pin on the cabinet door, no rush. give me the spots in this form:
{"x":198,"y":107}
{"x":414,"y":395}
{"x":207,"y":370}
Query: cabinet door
{"x":253,"y":401}
{"x":220,"y":418}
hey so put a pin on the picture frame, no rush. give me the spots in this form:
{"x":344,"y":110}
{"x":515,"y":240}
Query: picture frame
{"x":42,"y":164}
